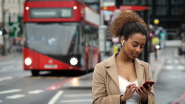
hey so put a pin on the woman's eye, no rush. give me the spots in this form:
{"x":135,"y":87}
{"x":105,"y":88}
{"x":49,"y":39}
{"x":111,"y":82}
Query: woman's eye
{"x":134,"y":45}
{"x":141,"y":47}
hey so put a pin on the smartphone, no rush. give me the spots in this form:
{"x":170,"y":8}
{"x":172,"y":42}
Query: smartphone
{"x":148,"y":82}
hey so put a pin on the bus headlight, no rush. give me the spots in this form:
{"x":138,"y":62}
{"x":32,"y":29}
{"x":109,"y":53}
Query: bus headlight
{"x":73,"y":61}
{"x":28,"y":61}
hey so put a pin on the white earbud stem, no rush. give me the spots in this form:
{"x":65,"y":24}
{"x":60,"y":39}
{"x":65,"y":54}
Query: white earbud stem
{"x":122,"y":42}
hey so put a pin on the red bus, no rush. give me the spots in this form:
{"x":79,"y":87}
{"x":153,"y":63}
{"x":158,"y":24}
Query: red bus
{"x":60,"y":35}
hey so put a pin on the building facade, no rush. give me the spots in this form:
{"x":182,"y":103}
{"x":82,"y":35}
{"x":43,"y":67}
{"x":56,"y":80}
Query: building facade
{"x":11,"y":8}
{"x":170,"y":13}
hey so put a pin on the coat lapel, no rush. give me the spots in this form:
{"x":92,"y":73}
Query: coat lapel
{"x":139,"y":71}
{"x":113,"y":72}
{"x":112,"y":69}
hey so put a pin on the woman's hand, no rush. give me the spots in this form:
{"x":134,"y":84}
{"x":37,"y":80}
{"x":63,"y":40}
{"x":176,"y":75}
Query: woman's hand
{"x":143,"y":93}
{"x":130,"y":90}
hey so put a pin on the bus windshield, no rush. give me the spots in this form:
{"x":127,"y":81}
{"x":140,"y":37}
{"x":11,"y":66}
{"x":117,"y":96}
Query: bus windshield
{"x":52,"y":38}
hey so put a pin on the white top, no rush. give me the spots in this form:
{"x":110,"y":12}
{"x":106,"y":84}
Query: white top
{"x":123,"y":83}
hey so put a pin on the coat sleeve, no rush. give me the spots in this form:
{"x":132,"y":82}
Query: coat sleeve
{"x":151,"y":96}
{"x":99,"y":92}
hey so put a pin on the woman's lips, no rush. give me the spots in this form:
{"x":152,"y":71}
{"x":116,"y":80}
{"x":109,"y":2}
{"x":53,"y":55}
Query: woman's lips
{"x":135,"y":55}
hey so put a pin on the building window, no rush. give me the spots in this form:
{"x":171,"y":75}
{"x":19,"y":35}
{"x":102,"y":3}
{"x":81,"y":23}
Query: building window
{"x":177,"y":7}
{"x":177,"y":2}
{"x":143,"y":2}
{"x":177,"y":10}
{"x":130,"y":2}
{"x":161,"y":7}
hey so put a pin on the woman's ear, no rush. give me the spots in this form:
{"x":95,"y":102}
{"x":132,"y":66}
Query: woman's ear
{"x":122,"y":39}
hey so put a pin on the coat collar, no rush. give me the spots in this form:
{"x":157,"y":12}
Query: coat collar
{"x":113,"y":72}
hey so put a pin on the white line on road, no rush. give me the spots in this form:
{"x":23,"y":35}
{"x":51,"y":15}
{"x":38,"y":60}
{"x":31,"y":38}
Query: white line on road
{"x":169,"y":67}
{"x":180,"y":67}
{"x":10,"y":91}
{"x":173,"y":76}
{"x":74,"y":101}
{"x":169,"y":61}
{"x":36,"y":91}
{"x":5,"y":78}
{"x":55,"y":98}
{"x":77,"y":95}
{"x":15,"y":96}
{"x":176,"y":61}
{"x":7,"y":62}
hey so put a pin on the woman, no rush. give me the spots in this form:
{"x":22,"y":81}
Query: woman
{"x":119,"y":79}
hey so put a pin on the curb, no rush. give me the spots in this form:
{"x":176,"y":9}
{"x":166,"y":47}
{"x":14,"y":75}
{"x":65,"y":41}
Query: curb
{"x":157,"y":73}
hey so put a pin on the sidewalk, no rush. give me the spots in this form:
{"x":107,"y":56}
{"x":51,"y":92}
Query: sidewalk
{"x":10,"y":55}
{"x":85,"y":81}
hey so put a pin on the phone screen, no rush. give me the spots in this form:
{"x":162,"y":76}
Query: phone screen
{"x":148,"y":82}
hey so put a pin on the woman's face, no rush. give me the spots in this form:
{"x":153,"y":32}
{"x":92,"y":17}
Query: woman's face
{"x":134,"y":45}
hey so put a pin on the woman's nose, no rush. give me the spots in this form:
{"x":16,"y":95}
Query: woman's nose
{"x":138,"y":49}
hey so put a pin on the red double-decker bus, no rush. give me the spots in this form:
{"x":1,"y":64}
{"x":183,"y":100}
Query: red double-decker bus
{"x":60,"y":35}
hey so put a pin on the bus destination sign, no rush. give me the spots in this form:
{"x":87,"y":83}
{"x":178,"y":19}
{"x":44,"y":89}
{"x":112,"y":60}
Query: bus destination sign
{"x":51,"y":13}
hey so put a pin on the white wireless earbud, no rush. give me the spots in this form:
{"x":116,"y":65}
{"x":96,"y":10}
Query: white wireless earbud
{"x":122,"y":42}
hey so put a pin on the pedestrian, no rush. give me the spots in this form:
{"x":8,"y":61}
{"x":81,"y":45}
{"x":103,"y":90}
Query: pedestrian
{"x":119,"y":79}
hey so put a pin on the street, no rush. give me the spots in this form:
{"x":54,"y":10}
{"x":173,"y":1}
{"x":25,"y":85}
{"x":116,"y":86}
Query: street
{"x":19,"y":87}
{"x":170,"y":86}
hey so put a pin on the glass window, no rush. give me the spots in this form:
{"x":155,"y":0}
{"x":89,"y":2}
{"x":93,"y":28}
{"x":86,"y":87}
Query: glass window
{"x":177,"y":2}
{"x":149,"y":2}
{"x":130,"y":2}
{"x":143,"y":2}
{"x":53,"y":38}
{"x":161,"y":10}
{"x":177,"y":10}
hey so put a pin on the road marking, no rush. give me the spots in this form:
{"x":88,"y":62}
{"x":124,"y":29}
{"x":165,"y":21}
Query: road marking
{"x":15,"y":96}
{"x":169,"y":61}
{"x":10,"y":91}
{"x":172,"y":76}
{"x":80,"y":100}
{"x":36,"y":91}
{"x":7,"y":62}
{"x":182,"y":102}
{"x":176,"y":61}
{"x":77,"y":95}
{"x":180,"y":67}
{"x":58,"y":84}
{"x":55,"y":98}
{"x":51,"y":77}
{"x":5,"y":78}
{"x":169,"y":67}
{"x":174,"y":102}
{"x":0,"y":101}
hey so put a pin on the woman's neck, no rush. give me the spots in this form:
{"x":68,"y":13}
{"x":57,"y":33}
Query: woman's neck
{"x":123,"y":58}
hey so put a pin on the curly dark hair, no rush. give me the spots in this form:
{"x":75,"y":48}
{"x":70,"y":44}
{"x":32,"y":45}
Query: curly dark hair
{"x":126,"y":24}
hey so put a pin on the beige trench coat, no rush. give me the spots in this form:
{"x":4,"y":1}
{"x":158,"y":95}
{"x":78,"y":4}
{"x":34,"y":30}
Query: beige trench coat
{"x":105,"y":84}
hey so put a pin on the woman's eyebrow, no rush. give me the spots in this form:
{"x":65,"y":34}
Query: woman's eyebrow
{"x":138,"y":42}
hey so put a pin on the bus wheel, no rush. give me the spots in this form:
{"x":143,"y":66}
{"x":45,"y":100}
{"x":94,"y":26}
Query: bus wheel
{"x":34,"y":72}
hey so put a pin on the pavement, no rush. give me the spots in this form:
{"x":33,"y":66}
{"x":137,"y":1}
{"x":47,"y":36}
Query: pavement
{"x":10,"y":55}
{"x":85,"y":81}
